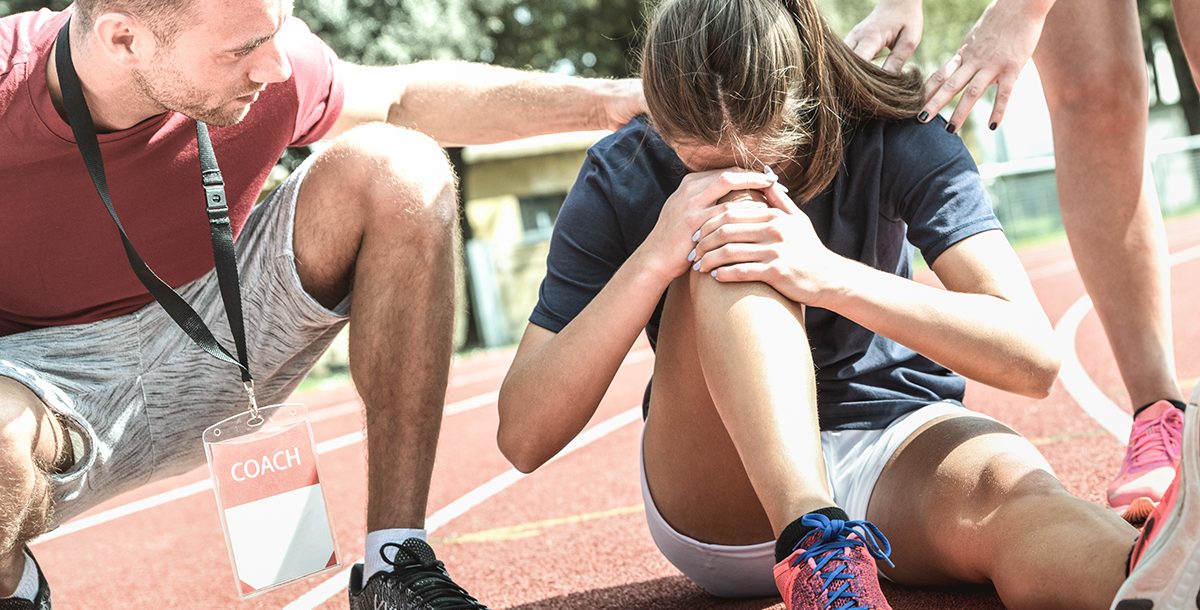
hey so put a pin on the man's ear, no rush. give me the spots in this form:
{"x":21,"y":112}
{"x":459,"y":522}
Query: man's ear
{"x":125,"y":40}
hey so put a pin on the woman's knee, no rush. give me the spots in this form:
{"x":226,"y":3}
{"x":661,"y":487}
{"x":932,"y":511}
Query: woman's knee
{"x":708,"y":295}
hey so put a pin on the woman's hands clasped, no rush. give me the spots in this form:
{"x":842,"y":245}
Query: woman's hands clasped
{"x":764,"y":240}
{"x":776,"y":245}
{"x":669,"y":246}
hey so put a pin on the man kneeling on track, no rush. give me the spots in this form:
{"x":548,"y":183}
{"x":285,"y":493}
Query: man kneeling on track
{"x":99,"y":391}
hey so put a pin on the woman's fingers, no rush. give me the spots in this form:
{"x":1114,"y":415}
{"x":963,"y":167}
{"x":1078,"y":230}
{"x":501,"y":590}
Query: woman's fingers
{"x":732,"y":254}
{"x":760,"y":232}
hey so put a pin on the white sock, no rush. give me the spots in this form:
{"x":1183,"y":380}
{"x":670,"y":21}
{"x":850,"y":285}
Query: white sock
{"x":372,"y":560}
{"x":28,"y":587}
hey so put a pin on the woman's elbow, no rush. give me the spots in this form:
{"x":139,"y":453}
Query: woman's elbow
{"x":518,"y":446}
{"x":1041,"y":373}
{"x":518,"y":452}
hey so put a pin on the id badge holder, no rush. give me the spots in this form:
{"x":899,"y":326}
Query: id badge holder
{"x":263,"y":464}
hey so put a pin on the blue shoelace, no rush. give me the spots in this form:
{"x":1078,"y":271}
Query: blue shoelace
{"x":831,"y":549}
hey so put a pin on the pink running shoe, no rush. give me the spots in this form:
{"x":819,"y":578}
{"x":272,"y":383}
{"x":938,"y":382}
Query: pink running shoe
{"x":834,"y":567}
{"x":1165,"y":562}
{"x":1151,"y":459}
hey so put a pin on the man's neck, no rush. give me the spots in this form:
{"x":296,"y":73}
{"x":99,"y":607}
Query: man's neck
{"x":112,"y":95}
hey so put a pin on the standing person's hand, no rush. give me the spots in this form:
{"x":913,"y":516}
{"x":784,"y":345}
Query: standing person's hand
{"x":895,"y":25}
{"x":993,"y":53}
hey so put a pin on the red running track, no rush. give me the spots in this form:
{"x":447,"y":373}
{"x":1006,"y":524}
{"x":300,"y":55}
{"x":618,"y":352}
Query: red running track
{"x":572,"y":535}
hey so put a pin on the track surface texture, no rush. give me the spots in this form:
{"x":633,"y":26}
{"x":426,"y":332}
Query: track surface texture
{"x":572,"y":535}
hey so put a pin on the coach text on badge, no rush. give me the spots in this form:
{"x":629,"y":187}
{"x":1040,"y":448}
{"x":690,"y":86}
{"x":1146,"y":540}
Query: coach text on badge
{"x":269,"y":495}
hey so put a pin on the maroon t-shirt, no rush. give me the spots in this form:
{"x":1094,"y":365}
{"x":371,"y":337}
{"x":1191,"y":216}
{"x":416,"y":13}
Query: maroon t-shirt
{"x":61,"y":259}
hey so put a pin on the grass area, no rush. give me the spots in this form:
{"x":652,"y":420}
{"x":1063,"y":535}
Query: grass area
{"x":321,"y":381}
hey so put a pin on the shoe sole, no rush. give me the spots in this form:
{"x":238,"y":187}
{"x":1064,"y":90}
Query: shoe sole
{"x":1137,"y":511}
{"x":1168,"y":576}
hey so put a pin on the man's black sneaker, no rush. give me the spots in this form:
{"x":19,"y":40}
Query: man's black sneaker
{"x":41,"y":601}
{"x":417,"y":581}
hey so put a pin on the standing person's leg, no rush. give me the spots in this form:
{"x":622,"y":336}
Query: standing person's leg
{"x":967,"y":500}
{"x":377,"y":219}
{"x":1096,"y":89}
{"x":732,"y":454}
{"x":1187,"y":19}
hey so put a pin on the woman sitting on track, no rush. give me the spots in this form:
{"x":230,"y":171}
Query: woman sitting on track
{"x":778,"y":314}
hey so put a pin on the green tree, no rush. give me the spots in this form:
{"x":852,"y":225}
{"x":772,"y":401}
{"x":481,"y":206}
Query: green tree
{"x":585,"y":37}
{"x":946,"y":24}
{"x":8,"y":7}
{"x":395,"y":32}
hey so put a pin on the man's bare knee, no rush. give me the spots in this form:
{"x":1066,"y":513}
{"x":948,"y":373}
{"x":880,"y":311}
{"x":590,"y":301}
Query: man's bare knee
{"x":398,"y":175}
{"x":29,"y":446}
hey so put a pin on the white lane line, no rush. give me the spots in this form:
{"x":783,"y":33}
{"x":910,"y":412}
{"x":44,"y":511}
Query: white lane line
{"x":332,"y":444}
{"x":1186,"y":255}
{"x":338,"y":582}
{"x":474,"y":402}
{"x":124,"y":509}
{"x":192,"y":489}
{"x":1074,"y":377}
{"x":1079,"y":385}
{"x":488,"y":374}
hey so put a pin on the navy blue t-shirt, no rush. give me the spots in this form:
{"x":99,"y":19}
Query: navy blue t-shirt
{"x":900,"y":182}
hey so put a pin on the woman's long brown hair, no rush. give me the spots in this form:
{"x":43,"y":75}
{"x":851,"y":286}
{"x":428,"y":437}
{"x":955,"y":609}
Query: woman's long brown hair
{"x":721,"y":72}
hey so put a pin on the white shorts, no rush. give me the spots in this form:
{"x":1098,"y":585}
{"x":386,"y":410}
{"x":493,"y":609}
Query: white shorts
{"x":853,"y":459}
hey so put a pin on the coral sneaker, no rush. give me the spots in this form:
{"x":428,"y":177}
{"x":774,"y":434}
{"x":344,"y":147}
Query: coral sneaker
{"x":834,"y":567}
{"x":1150,"y":461}
{"x":1165,"y":563}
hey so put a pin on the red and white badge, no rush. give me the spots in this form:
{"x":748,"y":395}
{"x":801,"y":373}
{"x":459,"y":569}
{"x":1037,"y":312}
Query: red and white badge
{"x":264,"y":470}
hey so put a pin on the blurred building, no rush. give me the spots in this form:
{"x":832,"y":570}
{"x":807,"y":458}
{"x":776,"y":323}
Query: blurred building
{"x":513,"y":192}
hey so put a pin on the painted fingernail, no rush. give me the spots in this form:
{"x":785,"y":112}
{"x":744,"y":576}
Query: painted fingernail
{"x":770,"y":172}
{"x":785,"y":189}
{"x":713,"y":273}
{"x":692,"y":255}
{"x":696,"y":267}
{"x":696,"y":235}
{"x":950,"y":128}
{"x":992,"y":127}
{"x":923,"y":116}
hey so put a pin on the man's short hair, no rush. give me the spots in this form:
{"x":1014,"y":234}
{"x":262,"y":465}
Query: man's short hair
{"x":165,"y":18}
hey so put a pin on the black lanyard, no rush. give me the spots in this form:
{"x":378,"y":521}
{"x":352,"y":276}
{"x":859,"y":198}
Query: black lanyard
{"x":224,"y":255}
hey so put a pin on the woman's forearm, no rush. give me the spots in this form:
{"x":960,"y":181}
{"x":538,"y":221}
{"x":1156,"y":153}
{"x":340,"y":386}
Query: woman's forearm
{"x":555,"y":384}
{"x":980,"y":336}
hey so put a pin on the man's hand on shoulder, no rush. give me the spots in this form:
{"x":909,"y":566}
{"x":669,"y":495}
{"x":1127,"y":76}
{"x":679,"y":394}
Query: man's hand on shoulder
{"x":626,"y":101}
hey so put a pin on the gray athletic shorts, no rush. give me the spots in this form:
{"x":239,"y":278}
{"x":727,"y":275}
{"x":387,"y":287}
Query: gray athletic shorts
{"x":136,"y":393}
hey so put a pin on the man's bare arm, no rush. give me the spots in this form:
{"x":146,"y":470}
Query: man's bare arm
{"x":461,"y":103}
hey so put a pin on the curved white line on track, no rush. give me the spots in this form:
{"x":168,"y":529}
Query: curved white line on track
{"x":1079,"y":385}
{"x":338,"y":582}
{"x":1075,"y":379}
